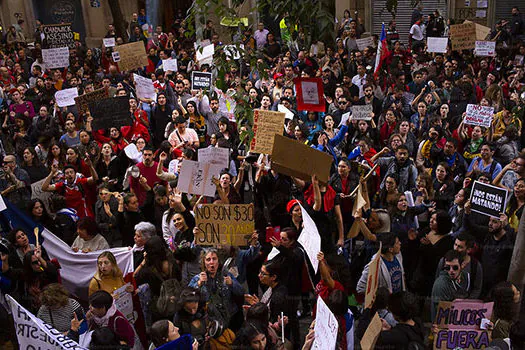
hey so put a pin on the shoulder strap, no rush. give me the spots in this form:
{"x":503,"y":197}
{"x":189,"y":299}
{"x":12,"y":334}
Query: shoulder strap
{"x":493,"y":166}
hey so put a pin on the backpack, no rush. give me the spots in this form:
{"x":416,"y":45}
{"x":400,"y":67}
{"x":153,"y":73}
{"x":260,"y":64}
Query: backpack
{"x":166,"y":306}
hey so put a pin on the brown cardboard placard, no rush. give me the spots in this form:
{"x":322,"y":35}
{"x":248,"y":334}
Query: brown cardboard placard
{"x":296,"y":159}
{"x":132,"y":56}
{"x":224,"y":224}
{"x":463,"y":36}
{"x":82,"y":101}
{"x":265,"y":125}
{"x":373,"y":279}
{"x":369,"y":339}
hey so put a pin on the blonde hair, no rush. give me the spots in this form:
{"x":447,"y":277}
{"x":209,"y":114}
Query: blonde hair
{"x":115,"y":270}
{"x":203,"y":256}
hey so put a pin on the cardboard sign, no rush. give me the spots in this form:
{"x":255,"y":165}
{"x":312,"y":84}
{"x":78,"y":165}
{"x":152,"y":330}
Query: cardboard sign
{"x":195,"y":178}
{"x":463,"y":36}
{"x":225,"y":224}
{"x":215,"y":155}
{"x":364,"y":43}
{"x":310,"y":94}
{"x":361,"y":112}
{"x":66,"y":97}
{"x":82,"y":101}
{"x":293,"y":158}
{"x":200,"y":80}
{"x":310,"y":239}
{"x":373,"y":279}
{"x":326,"y":327}
{"x":479,"y":115}
{"x":266,"y":124}
{"x":58,"y":35}
{"x":481,"y":31}
{"x":459,"y":324}
{"x":33,"y":333}
{"x":488,"y":200}
{"x":108,"y":42}
{"x":56,"y":58}
{"x":437,"y":44}
{"x":485,"y":48}
{"x":144,"y":87}
{"x":369,"y":339}
{"x":132,"y":56}
{"x":170,"y":65}
{"x":110,"y":112}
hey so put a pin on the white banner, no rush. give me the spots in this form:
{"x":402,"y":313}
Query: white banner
{"x":109,"y":42}
{"x":195,"y":178}
{"x":66,"y":97}
{"x":78,"y":268}
{"x":485,"y":48}
{"x":479,"y":115}
{"x":326,"y":327}
{"x":33,"y":333}
{"x":170,"y":65}
{"x":144,"y":87}
{"x":215,"y":155}
{"x":56,"y":58}
{"x":437,"y":45}
{"x":310,"y":239}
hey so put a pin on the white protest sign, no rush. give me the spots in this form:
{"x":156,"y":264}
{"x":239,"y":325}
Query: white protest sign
{"x":310,"y":239}
{"x":56,"y":58}
{"x":215,"y":155}
{"x":144,"y":87}
{"x":116,"y":56}
{"x":170,"y":65}
{"x":273,"y":253}
{"x":132,"y":152}
{"x":310,"y":93}
{"x":231,"y":51}
{"x":33,"y":333}
{"x":66,"y":97}
{"x":124,"y":302}
{"x":326,"y":327}
{"x":437,"y":44}
{"x":206,"y":56}
{"x":196,"y":178}
{"x":364,"y":43}
{"x":485,"y":48}
{"x":344,"y":118}
{"x":109,"y":42}
{"x":287,"y":113}
{"x":361,"y":112}
{"x":2,"y":204}
{"x":479,"y":115}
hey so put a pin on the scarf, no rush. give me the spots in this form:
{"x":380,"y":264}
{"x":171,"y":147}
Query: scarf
{"x":104,"y":320}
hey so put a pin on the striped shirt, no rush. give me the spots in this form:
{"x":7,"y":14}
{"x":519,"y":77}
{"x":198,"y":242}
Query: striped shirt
{"x":61,"y":318}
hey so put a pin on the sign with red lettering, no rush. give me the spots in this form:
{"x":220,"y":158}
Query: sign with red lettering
{"x":479,"y":115}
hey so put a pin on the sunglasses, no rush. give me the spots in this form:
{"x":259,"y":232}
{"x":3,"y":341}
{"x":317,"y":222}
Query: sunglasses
{"x":453,"y":267}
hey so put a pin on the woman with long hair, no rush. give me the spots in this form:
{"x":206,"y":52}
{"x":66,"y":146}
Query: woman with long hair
{"x":506,"y":299}
{"x":55,"y":156}
{"x":108,"y":276}
{"x":36,"y":170}
{"x":443,"y":187}
{"x":38,"y":213}
{"x":516,"y":204}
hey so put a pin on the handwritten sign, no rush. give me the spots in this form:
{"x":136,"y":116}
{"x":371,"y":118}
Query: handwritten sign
{"x":66,"y":97}
{"x":463,"y":36}
{"x":361,"y":112}
{"x":215,"y":155}
{"x":110,"y":112}
{"x":364,"y":43}
{"x":144,"y":87}
{"x":479,"y":115}
{"x":124,"y":302}
{"x":459,"y":324}
{"x":369,"y":339}
{"x":132,"y":56}
{"x":195,"y":178}
{"x":170,"y":65}
{"x":485,"y":48}
{"x":109,"y":42}
{"x":200,"y":80}
{"x":488,"y":200}
{"x":83,"y":101}
{"x":310,"y":94}
{"x":58,"y":35}
{"x":310,"y":238}
{"x":326,"y":327}
{"x":373,"y":279}
{"x":437,"y":44}
{"x":56,"y":58}
{"x":230,"y":224}
{"x":265,"y":125}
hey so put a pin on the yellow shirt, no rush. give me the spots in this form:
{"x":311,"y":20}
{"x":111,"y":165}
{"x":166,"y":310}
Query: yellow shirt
{"x":107,"y":283}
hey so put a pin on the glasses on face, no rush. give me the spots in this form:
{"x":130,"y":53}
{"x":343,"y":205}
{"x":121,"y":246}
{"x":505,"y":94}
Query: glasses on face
{"x":262,"y":273}
{"x":453,"y":267}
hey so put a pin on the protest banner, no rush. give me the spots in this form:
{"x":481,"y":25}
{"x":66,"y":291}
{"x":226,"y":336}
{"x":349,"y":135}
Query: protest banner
{"x":479,"y":115}
{"x":488,"y":200}
{"x":108,"y":42}
{"x":266,"y":124}
{"x":66,"y":97}
{"x":204,"y":53}
{"x":481,"y":31}
{"x":369,"y":339}
{"x":326,"y":327}
{"x":437,"y":44}
{"x":363,"y":43}
{"x":201,"y":80}
{"x":361,"y":112}
{"x":463,"y":36}
{"x":132,"y":56}
{"x":33,"y":333}
{"x":461,"y":324}
{"x":58,"y":35}
{"x":170,"y":65}
{"x":113,"y":111}
{"x":144,"y":87}
{"x":56,"y":58}
{"x":310,"y":94}
{"x":310,"y":238}
{"x":124,"y":302}
{"x":196,"y":178}
{"x":224,"y":224}
{"x":82,"y":101}
{"x":293,"y":158}
{"x":372,"y":279}
{"x":485,"y":48}
{"x":215,"y":155}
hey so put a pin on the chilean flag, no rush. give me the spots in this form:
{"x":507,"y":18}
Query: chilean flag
{"x":382,"y":50}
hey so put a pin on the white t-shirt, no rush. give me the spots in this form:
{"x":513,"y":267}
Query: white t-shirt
{"x":417,"y":32}
{"x":189,"y":135}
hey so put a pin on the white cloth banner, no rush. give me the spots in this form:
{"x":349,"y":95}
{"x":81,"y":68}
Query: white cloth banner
{"x":66,"y":97}
{"x":78,"y":268}
{"x":310,"y":239}
{"x":33,"y":333}
{"x":145,"y":88}
{"x":56,"y":58}
{"x":326,"y":327}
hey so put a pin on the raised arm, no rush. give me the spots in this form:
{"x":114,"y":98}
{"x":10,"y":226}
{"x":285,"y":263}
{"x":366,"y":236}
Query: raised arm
{"x":46,"y":187}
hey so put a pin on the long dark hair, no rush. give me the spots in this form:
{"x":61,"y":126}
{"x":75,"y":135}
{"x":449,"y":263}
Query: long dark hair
{"x":504,"y":305}
{"x":46,"y":218}
{"x":513,"y":201}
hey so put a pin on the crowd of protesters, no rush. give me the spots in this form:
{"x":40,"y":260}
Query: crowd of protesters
{"x":434,"y":247}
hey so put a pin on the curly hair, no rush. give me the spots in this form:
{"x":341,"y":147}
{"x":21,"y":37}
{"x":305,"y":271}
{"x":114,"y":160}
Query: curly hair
{"x":55,"y":295}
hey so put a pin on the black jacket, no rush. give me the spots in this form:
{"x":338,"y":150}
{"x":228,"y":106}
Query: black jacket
{"x":401,"y":336}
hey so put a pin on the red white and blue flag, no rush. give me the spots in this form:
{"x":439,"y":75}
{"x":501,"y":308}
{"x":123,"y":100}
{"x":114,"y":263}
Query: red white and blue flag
{"x":382,"y":50}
